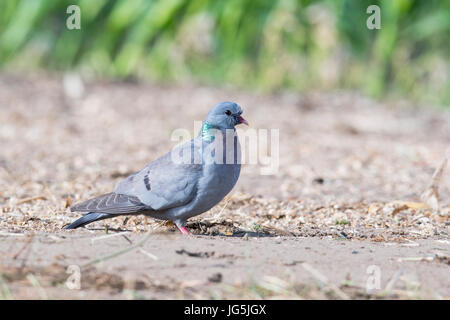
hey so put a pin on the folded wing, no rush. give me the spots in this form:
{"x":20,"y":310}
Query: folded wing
{"x":164,"y":184}
{"x":112,"y":203}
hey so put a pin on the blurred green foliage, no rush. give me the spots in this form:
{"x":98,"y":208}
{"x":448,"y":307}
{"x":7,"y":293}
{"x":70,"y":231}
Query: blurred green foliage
{"x":258,"y":44}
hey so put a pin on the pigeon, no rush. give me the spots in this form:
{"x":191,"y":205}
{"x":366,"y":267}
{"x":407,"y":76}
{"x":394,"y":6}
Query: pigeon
{"x":183,"y":183}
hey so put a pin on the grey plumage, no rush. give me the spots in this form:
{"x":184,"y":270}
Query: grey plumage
{"x":180,"y":184}
{"x":113,"y":203}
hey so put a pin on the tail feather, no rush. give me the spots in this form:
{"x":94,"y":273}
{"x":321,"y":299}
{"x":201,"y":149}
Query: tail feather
{"x":88,"y":218}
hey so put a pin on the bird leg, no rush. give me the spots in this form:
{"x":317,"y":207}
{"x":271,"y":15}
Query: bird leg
{"x":182,"y":228}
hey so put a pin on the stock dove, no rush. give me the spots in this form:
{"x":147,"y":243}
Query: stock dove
{"x":183,"y":183}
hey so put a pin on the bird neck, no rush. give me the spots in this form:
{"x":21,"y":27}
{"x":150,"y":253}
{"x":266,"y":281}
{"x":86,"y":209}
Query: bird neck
{"x":207,"y":133}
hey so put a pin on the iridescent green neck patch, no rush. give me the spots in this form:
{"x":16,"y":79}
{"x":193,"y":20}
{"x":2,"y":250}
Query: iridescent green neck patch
{"x":208,"y":131}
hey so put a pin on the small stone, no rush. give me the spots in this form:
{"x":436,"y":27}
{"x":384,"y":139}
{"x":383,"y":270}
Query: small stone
{"x":319,"y":180}
{"x":216,"y":278}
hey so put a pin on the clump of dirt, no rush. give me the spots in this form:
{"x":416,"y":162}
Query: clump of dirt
{"x":56,"y":275}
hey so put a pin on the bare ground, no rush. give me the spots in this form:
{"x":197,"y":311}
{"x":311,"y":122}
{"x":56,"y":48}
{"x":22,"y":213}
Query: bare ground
{"x":346,"y":196}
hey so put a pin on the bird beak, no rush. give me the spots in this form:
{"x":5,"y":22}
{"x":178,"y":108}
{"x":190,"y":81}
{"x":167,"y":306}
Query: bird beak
{"x":242,"y":120}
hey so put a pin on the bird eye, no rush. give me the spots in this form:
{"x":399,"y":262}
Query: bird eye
{"x":228,"y":112}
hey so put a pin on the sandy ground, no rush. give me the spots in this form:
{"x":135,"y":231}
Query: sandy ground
{"x":343,"y":207}
{"x":205,"y":267}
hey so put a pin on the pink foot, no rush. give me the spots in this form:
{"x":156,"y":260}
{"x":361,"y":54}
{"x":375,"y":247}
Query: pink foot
{"x":183,"y":230}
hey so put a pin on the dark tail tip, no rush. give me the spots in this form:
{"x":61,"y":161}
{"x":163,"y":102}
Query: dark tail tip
{"x":73,"y":225}
{"x":86,"y":219}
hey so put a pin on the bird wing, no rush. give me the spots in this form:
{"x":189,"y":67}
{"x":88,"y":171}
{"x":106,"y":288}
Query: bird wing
{"x":163,"y":183}
{"x":112,"y":203}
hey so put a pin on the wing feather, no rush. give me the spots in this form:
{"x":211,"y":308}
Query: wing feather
{"x":112,"y":203}
{"x":163,"y":184}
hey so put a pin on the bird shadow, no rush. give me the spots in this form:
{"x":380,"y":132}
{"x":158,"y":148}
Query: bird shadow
{"x":225,"y":229}
{"x":250,"y":234}
{"x":216,"y":229}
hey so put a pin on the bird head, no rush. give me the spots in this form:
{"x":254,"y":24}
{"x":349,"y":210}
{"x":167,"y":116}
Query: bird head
{"x":225,"y":115}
